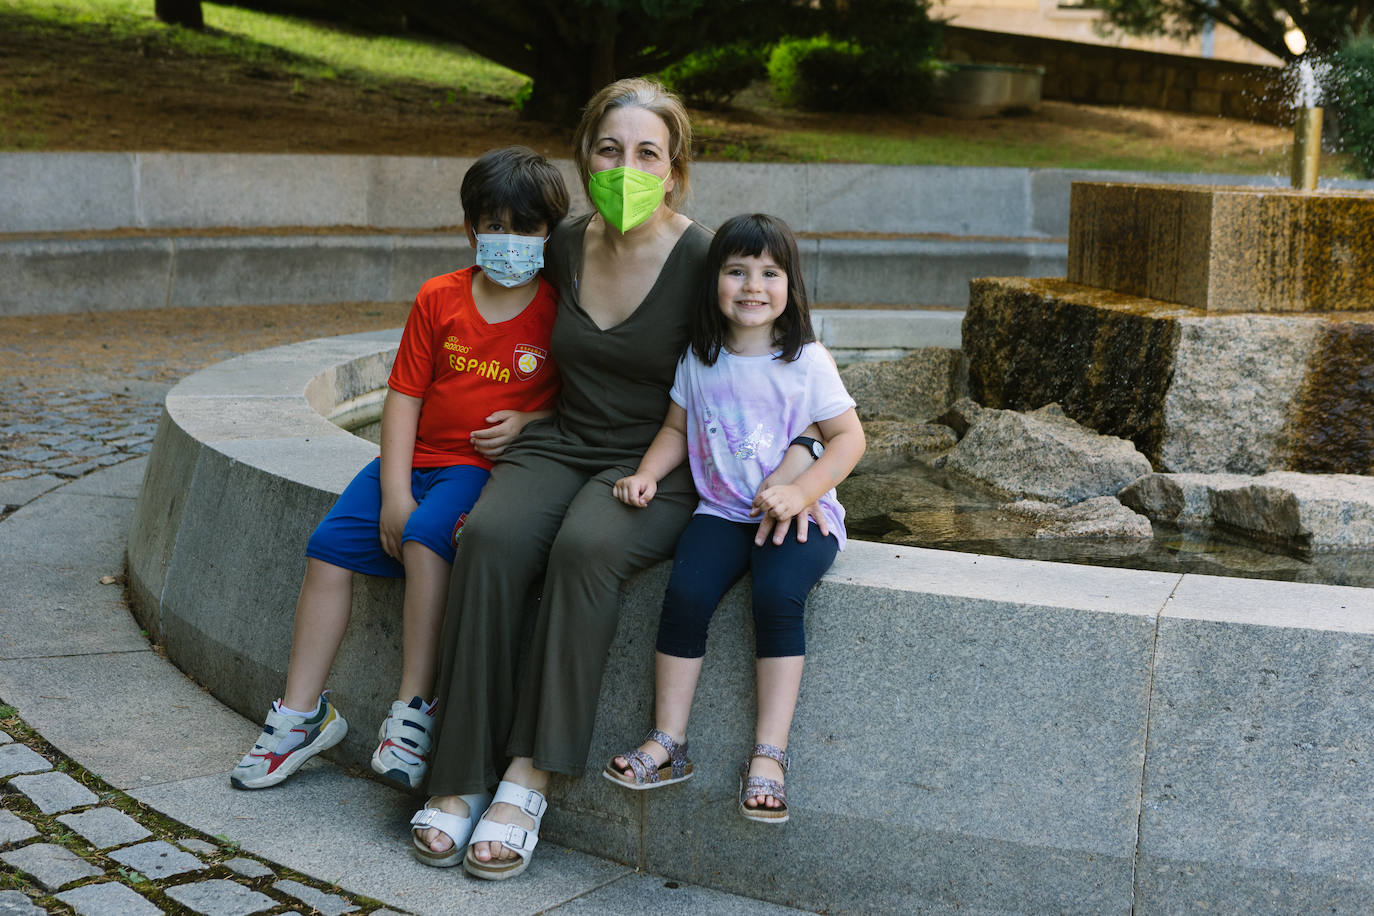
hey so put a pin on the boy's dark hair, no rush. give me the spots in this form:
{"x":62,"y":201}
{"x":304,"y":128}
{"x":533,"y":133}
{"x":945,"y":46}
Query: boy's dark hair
{"x":518,"y":181}
{"x":751,"y":235}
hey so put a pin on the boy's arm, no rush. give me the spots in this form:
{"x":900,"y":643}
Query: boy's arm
{"x":506,"y":425}
{"x":666,"y":452}
{"x":844,"y":446}
{"x":400,"y":422}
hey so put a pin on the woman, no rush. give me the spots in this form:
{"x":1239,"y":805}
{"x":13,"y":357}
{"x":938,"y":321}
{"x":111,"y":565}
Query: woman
{"x":626,"y":277}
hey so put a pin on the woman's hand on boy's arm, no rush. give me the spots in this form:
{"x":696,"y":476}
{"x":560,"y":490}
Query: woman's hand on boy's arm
{"x":506,"y":425}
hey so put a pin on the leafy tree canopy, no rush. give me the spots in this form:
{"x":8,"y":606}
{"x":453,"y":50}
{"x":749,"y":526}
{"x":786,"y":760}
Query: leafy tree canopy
{"x":571,"y":48}
{"x":1326,"y":24}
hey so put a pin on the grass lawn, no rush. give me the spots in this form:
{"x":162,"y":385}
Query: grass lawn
{"x":104,"y":75}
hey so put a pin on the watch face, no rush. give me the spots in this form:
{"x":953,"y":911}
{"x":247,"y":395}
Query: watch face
{"x":817,"y":450}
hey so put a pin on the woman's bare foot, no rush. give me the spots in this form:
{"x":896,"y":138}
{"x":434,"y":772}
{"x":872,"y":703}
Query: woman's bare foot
{"x":768,"y":768}
{"x":437,"y":840}
{"x":521,"y":772}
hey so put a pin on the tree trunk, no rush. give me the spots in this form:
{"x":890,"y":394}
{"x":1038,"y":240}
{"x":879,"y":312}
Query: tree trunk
{"x":179,"y":12}
{"x":567,"y":74}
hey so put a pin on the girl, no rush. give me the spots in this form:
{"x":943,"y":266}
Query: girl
{"x":754,"y":378}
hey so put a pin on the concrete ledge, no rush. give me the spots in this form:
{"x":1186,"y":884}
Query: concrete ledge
{"x":47,"y":276}
{"x":57,"y":275}
{"x":57,"y":192}
{"x":975,"y":734}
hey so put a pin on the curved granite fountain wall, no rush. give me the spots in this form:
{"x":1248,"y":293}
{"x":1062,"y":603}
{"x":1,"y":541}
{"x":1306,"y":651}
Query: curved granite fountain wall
{"x":975,"y":733}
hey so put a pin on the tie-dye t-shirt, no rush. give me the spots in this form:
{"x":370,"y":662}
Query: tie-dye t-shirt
{"x":741,"y":415}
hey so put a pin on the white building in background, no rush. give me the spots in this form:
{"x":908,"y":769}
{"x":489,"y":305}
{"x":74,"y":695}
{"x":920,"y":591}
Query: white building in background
{"x":1076,"y":20}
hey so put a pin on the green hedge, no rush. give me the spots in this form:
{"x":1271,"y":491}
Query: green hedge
{"x":714,"y":76}
{"x":1352,"y":96}
{"x":881,"y":56}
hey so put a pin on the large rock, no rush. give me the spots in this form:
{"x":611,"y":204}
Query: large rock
{"x":919,"y":386}
{"x":1295,"y":510}
{"x":1239,"y":393}
{"x":1099,"y":517}
{"x":1181,"y":499}
{"x":1044,"y":455}
{"x":893,"y":442}
{"x":1303,"y":510}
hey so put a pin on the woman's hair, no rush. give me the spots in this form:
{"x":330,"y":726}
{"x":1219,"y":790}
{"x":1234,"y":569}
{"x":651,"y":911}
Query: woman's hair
{"x":752,"y":235}
{"x":651,"y":96}
{"x":518,"y":183}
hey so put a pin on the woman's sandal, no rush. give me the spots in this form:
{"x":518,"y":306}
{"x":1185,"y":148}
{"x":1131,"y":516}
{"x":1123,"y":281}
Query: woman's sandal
{"x":456,"y":828}
{"x":647,"y":773}
{"x":757,"y":786}
{"x":512,"y":836}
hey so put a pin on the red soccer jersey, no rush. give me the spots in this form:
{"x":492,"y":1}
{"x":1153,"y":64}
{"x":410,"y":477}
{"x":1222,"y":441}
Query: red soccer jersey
{"x":463,"y":369}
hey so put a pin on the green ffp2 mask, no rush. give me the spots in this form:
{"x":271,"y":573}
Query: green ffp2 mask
{"x":625,"y":197}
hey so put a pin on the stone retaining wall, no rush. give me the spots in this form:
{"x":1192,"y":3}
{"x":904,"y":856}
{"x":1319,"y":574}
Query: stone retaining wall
{"x":975,"y":734}
{"x":1101,"y":74}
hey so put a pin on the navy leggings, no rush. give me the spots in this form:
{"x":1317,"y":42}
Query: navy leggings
{"x":712,"y":555}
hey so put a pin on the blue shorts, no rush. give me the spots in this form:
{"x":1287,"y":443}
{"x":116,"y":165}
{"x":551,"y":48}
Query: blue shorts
{"x":349,"y":537}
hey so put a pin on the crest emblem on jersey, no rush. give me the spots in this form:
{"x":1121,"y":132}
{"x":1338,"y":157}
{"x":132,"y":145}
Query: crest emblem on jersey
{"x":527,"y":360}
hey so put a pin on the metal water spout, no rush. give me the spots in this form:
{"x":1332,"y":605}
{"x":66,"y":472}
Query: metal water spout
{"x":1307,"y":130}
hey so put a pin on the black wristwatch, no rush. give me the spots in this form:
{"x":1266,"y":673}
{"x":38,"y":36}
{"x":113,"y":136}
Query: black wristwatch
{"x":811,"y":445}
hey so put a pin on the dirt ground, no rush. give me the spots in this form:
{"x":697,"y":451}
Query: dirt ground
{"x":65,"y":92}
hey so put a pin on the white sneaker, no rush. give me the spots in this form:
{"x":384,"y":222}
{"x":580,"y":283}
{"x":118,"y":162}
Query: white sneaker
{"x":402,"y":756}
{"x":286,"y":743}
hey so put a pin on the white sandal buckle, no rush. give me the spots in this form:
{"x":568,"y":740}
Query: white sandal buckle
{"x":510,"y":837}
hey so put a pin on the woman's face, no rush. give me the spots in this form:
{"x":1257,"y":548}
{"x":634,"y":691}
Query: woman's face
{"x":636,"y":138}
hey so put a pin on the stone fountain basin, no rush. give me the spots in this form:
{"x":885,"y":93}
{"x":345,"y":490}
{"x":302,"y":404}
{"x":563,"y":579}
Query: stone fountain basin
{"x":974,"y":733}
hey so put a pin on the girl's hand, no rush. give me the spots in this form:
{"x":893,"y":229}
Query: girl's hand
{"x":394,"y":515}
{"x":784,"y":501}
{"x":506,"y":425}
{"x":635,"y":490}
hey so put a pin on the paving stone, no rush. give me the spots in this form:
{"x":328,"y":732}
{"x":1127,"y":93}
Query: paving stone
{"x":18,"y":758}
{"x":5,"y":737}
{"x":17,"y":903}
{"x":199,"y":846}
{"x":54,"y":792}
{"x":106,"y":827}
{"x":19,"y":491}
{"x":249,"y":868}
{"x":328,"y":904}
{"x":50,"y":865}
{"x":108,"y":899}
{"x":158,"y":859}
{"x":14,"y":829}
{"x":220,"y":898}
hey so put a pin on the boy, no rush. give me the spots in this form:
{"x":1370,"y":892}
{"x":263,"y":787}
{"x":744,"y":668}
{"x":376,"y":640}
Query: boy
{"x":472,"y":369}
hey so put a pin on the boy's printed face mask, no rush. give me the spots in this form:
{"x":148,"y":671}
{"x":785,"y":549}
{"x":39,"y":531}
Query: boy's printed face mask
{"x":625,"y":197}
{"x":510,"y":260}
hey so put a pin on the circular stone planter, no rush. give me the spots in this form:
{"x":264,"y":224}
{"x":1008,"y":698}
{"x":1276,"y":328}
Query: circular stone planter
{"x":973,"y":732}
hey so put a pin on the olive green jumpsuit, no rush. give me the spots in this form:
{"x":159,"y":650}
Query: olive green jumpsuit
{"x":548,"y":512}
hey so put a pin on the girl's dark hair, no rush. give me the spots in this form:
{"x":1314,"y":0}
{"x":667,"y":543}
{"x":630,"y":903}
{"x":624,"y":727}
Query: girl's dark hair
{"x":518,"y":181}
{"x":752,"y":235}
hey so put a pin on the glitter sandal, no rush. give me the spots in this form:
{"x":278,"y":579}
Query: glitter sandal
{"x":756,"y":786}
{"x":649,"y":774}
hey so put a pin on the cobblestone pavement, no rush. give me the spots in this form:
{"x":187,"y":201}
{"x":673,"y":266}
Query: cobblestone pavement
{"x":79,"y":393}
{"x":71,"y":844}
{"x":82,"y":392}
